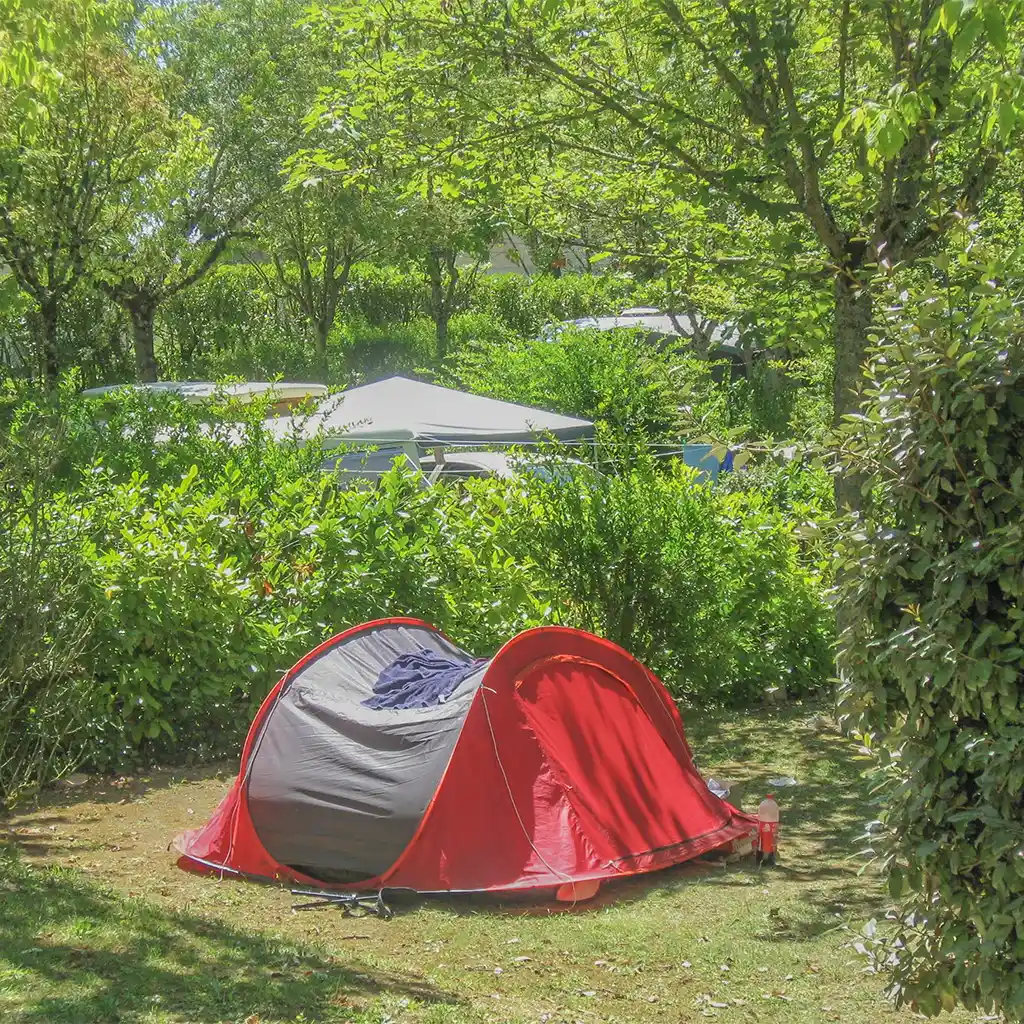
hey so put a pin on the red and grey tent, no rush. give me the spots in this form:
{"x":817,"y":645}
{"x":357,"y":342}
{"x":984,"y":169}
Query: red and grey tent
{"x":388,"y":757}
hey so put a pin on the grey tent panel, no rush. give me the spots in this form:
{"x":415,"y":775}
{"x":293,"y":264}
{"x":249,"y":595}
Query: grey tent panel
{"x":397,"y":409}
{"x":336,"y":789}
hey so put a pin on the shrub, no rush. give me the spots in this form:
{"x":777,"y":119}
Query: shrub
{"x":802,"y":491}
{"x":231,"y":324}
{"x":385,"y":296}
{"x":153,"y":596}
{"x":43,"y":604}
{"x":933,"y":648}
{"x":617,"y":380}
{"x":706,"y":588}
{"x":525,"y":304}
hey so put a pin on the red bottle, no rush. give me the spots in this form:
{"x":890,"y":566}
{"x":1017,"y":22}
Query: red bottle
{"x":767,"y":830}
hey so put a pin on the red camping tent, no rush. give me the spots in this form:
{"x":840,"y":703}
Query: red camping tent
{"x":388,"y":757}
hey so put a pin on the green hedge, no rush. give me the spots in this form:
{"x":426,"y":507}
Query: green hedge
{"x":933,"y":652}
{"x":231,"y":322}
{"x":156,"y":595}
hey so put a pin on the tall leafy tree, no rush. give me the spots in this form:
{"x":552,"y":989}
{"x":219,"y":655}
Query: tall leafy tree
{"x":402,"y":152}
{"x":238,"y":80}
{"x":254,"y":72}
{"x":860,"y":131}
{"x":68,"y":171}
{"x":448,"y":239}
{"x":315,"y":233}
{"x":181,"y":224}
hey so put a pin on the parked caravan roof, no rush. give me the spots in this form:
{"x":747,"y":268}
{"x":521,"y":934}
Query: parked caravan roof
{"x":285,"y":394}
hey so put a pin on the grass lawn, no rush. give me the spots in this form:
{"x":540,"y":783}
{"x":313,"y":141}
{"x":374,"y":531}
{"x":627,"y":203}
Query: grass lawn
{"x":97,"y":924}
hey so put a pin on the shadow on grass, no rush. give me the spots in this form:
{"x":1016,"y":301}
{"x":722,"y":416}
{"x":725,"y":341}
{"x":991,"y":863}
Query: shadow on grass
{"x":32,"y":826}
{"x":80,"y":953}
{"x":114,"y":789}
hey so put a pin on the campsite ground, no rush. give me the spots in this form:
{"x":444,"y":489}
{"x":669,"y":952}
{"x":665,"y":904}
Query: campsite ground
{"x":98,"y":925}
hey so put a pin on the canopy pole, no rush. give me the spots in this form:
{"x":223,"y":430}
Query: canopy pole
{"x":438,"y":464}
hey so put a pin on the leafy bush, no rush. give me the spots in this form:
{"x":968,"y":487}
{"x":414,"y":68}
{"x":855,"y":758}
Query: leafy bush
{"x":706,"y":588}
{"x":617,"y":379}
{"x":525,"y":304}
{"x":159,"y":576}
{"x":385,"y":296}
{"x":230,"y":324}
{"x":801,"y":490}
{"x":933,"y":649}
{"x":92,"y":333}
{"x":43,"y":604}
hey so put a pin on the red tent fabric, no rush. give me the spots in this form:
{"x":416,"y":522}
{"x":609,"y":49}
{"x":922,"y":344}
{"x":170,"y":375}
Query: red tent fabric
{"x":560,"y":760}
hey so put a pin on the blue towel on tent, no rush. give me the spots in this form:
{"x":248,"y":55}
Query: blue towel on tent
{"x":418,"y":679}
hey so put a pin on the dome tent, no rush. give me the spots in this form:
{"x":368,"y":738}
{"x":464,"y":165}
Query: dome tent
{"x":390,"y":758}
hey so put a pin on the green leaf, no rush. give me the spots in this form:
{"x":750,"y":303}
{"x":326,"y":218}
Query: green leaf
{"x":995,"y":26}
{"x":895,"y":881}
{"x":1008,"y":116}
{"x":949,"y":15}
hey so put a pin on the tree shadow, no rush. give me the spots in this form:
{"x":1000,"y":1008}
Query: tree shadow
{"x":115,"y":789}
{"x":36,"y":826}
{"x":98,"y":956}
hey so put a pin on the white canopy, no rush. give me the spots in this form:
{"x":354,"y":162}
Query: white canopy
{"x":398,"y":409}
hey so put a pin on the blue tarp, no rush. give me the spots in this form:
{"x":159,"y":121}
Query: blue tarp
{"x":700,"y":458}
{"x":418,"y":679}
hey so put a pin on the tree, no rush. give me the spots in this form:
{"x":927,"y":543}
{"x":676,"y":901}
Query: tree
{"x":251,"y":72}
{"x":315,"y":233}
{"x":449,"y":241}
{"x":65,"y":174}
{"x":183,"y":218}
{"x":864,"y":129}
{"x":32,"y":35}
{"x":394,"y":148}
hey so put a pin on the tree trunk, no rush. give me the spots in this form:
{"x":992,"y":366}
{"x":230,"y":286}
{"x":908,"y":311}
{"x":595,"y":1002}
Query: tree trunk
{"x":143,"y":315}
{"x":49,"y":314}
{"x":853,"y":319}
{"x":441,"y":323}
{"x":321,"y":330}
{"x":440,"y":307}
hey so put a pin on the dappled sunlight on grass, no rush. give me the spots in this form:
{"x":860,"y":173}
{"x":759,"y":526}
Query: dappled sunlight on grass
{"x":127,"y":936}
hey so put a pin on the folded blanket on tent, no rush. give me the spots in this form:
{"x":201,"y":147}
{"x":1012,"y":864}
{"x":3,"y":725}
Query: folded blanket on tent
{"x":418,"y":679}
